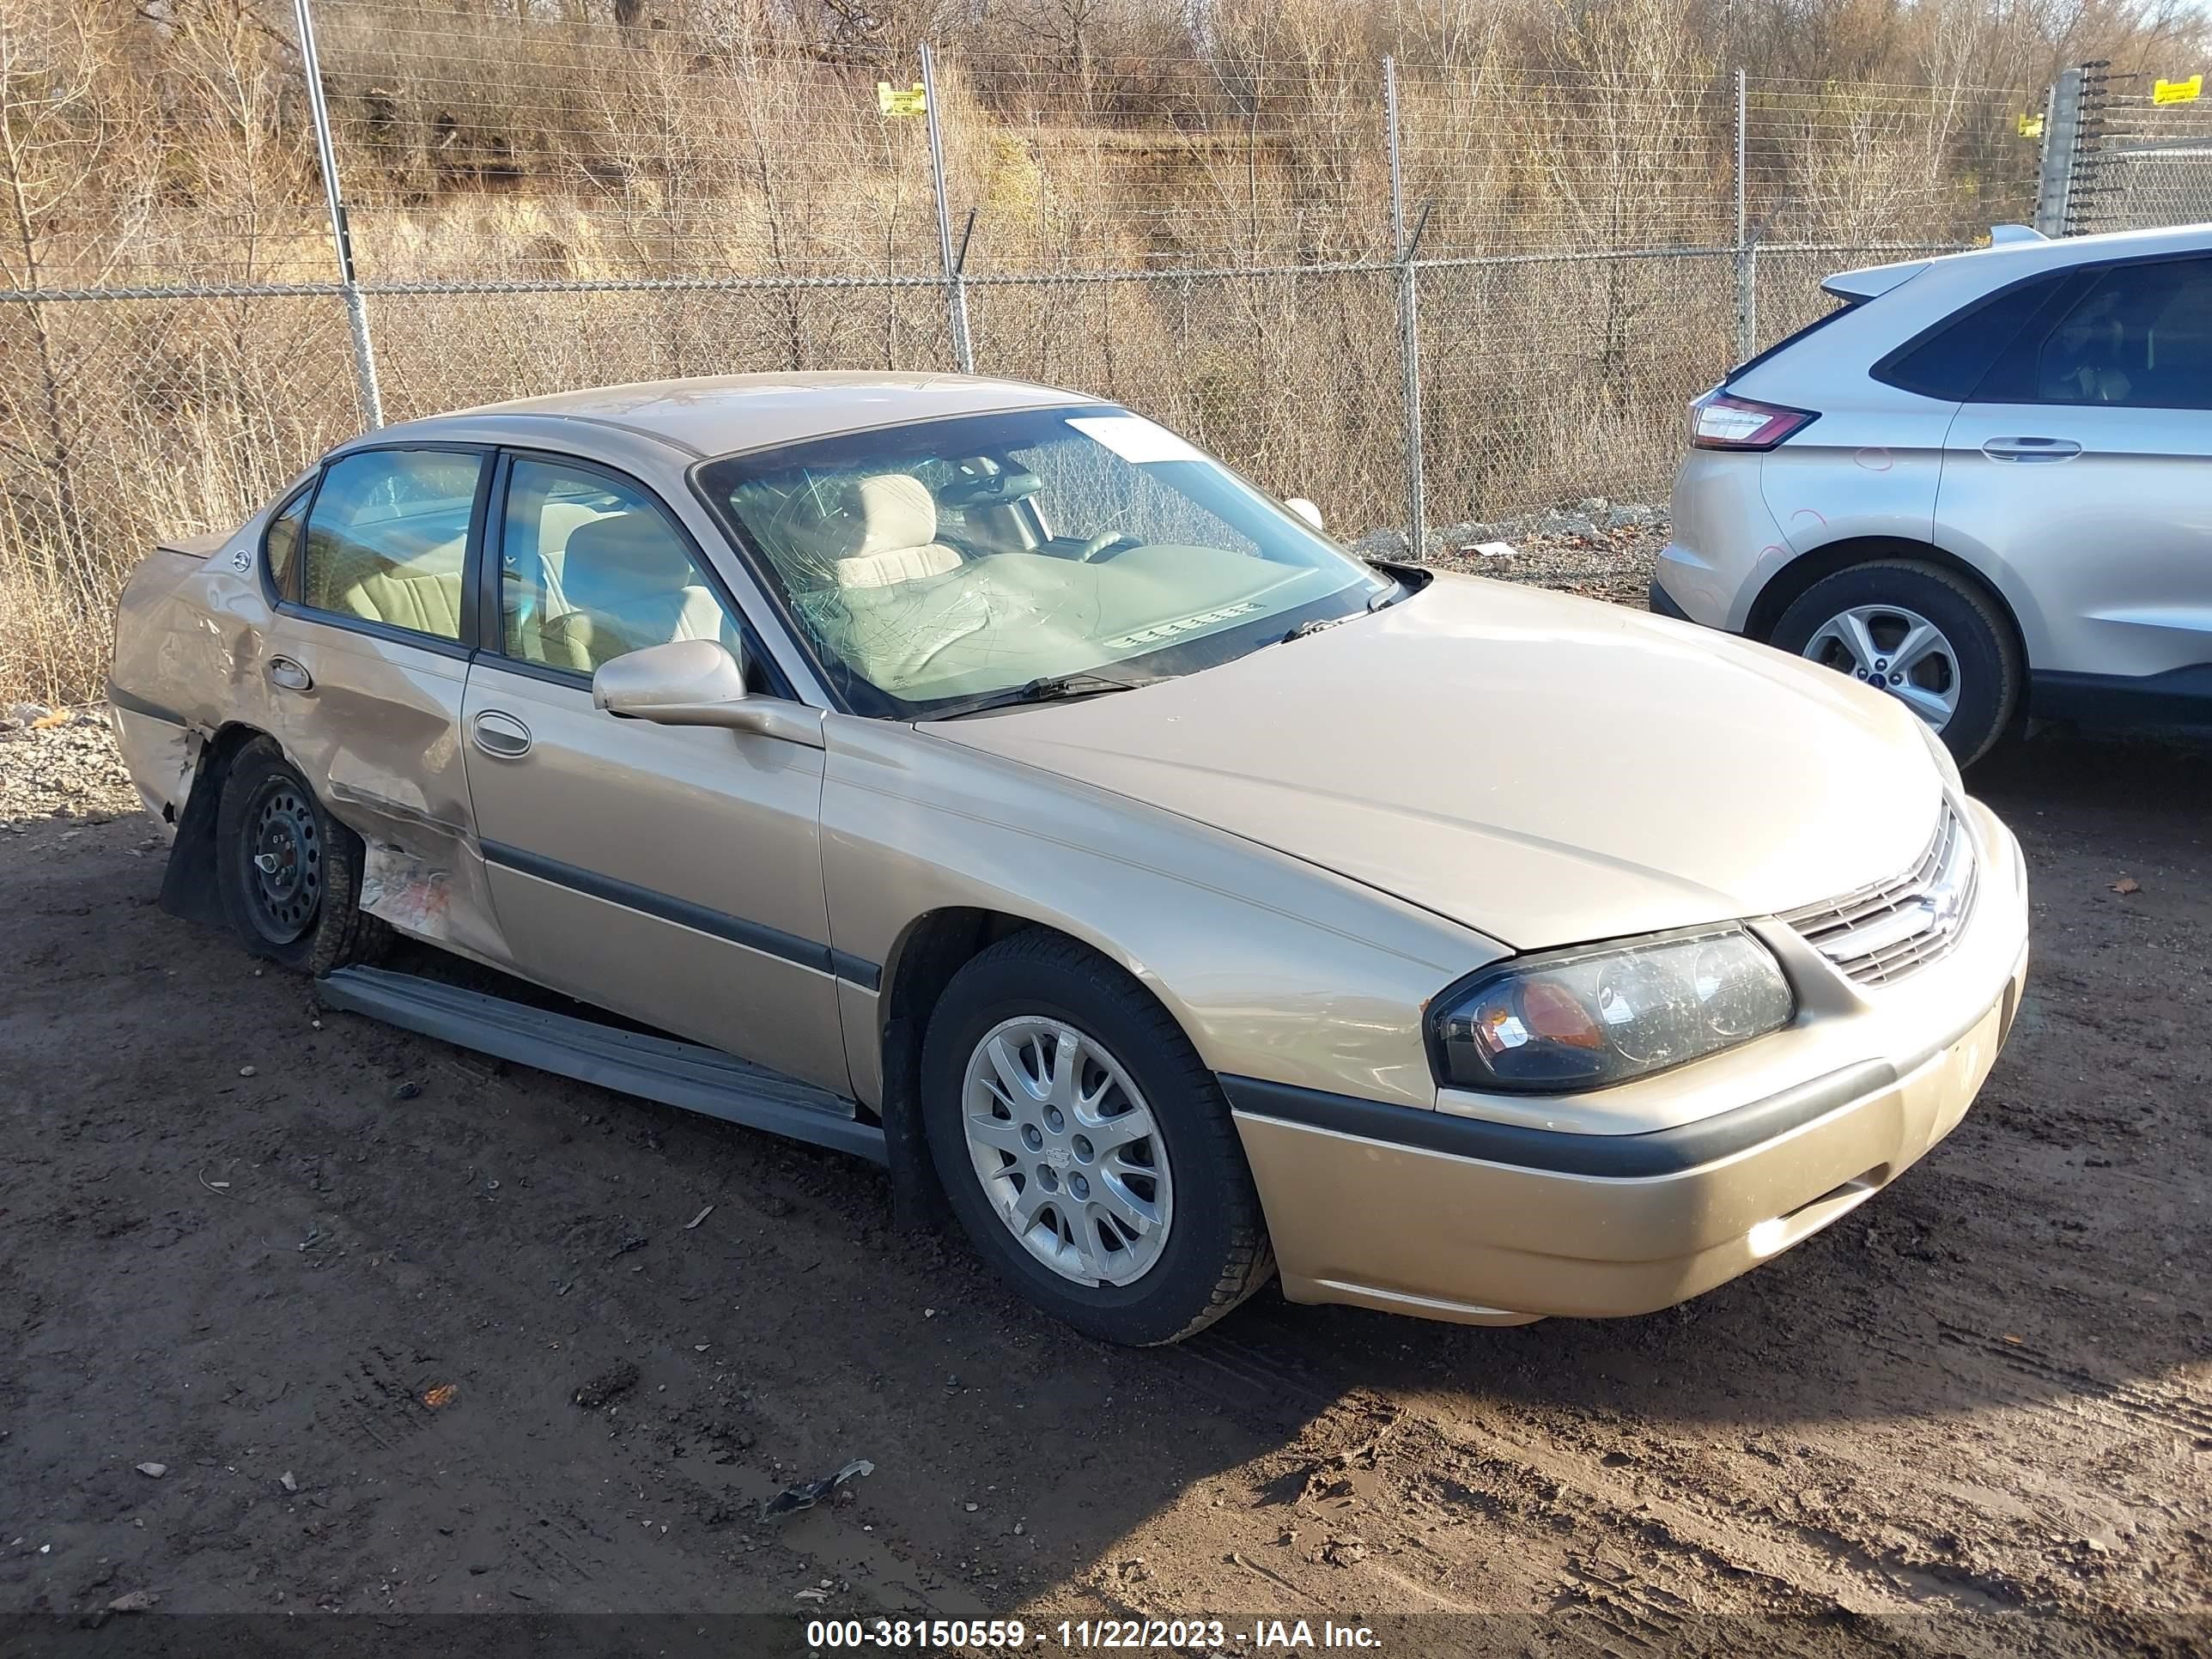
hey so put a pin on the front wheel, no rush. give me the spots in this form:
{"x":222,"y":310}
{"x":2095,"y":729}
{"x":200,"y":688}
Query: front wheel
{"x":1919,"y":633}
{"x":1085,"y":1148}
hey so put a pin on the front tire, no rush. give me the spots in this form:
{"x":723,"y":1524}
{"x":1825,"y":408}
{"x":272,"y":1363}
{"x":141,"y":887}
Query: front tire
{"x":1084,"y":1146}
{"x":288,"y":874}
{"x":1932,"y":641}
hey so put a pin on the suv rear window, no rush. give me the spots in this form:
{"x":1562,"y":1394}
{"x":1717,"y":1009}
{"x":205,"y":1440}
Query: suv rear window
{"x":1949,"y":361}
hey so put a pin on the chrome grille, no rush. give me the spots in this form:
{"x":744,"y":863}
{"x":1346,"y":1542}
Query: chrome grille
{"x":1883,"y":932}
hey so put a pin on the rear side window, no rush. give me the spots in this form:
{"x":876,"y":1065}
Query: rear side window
{"x":280,"y":543}
{"x":388,"y":537}
{"x":2138,"y":336}
{"x":1950,"y":360}
{"x":1790,"y":339}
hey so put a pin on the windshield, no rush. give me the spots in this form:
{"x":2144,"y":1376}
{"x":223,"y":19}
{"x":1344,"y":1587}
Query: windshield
{"x":941,"y":561}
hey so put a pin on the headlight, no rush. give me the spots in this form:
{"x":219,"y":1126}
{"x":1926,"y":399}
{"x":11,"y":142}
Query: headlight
{"x":1584,"y":1018}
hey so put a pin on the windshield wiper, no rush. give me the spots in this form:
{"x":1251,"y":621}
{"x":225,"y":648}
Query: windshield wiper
{"x":1315,"y":624}
{"x":1312,"y":625}
{"x":1053,"y":688}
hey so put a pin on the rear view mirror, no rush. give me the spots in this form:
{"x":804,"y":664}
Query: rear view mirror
{"x":1306,"y":509}
{"x":683,"y":682}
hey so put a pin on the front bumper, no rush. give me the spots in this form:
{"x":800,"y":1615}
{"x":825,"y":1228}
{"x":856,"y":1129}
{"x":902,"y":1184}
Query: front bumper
{"x":1449,"y":1217}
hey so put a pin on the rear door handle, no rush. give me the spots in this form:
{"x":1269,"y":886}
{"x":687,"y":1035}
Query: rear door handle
{"x":2031,"y":449}
{"x":284,"y":673}
{"x":500,"y":735}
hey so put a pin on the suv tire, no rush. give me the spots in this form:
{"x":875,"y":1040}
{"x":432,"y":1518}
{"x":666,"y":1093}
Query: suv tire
{"x":1976,"y":662}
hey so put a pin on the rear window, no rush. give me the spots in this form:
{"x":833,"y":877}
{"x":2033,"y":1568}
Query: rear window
{"x":1949,"y":361}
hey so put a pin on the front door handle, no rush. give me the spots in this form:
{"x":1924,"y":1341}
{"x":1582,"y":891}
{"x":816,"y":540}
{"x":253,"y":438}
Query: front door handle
{"x":2031,"y":449}
{"x":289,"y":675}
{"x":500,"y":735}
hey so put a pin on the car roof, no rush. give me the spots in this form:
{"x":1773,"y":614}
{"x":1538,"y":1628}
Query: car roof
{"x":713,"y":414}
{"x":2001,"y":262}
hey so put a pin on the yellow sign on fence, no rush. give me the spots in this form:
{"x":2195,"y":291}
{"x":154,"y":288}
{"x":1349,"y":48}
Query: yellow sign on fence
{"x":2031,"y":126}
{"x":892,"y":102}
{"x":2179,"y":92}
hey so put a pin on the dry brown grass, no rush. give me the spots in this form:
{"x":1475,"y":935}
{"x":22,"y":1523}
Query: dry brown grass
{"x":170,"y":146}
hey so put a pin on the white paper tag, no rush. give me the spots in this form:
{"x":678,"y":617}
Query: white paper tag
{"x":1135,"y":439}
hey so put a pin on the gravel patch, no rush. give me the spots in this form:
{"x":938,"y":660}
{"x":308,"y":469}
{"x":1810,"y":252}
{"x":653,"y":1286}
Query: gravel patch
{"x":61,"y":763}
{"x":1598,"y":549}
{"x":1598,"y":564}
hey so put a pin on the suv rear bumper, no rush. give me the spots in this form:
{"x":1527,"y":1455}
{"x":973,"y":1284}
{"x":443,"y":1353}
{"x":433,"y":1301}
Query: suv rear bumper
{"x":1725,"y":546}
{"x":1662,"y":603}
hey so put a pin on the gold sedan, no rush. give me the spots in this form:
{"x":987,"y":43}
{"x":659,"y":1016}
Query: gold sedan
{"x":978,"y":778}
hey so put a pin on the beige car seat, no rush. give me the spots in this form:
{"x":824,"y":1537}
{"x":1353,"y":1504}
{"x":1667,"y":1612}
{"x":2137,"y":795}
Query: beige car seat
{"x":358,"y":581}
{"x":880,"y":531}
{"x":629,"y":584}
{"x":556,"y":523}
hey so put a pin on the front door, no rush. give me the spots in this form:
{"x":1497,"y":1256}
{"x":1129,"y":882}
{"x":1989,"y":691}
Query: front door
{"x":672,"y":874}
{"x":2084,"y":463}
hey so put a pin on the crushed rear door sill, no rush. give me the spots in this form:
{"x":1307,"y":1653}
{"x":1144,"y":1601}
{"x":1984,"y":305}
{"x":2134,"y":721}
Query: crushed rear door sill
{"x":686,"y":1075}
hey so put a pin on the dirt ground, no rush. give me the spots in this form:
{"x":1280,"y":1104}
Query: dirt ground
{"x":346,"y":1286}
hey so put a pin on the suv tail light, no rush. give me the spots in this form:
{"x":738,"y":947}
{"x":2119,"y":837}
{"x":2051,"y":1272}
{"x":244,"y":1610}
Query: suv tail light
{"x":1720,"y":419}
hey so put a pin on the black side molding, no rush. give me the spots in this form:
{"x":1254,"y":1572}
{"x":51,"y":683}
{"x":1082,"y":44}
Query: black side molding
{"x":753,"y":935}
{"x":131,"y":703}
{"x":1619,"y":1158}
{"x":685,"y":1074}
{"x":2180,"y":696}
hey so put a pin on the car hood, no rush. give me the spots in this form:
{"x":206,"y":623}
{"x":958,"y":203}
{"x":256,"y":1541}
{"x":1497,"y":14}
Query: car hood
{"x":1544,"y":769}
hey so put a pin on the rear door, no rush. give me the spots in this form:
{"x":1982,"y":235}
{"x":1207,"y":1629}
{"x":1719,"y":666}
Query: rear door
{"x":366,"y":663}
{"x":2080,"y":471}
{"x":670,"y":874}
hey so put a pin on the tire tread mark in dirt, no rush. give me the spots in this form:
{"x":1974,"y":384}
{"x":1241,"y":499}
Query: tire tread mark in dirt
{"x":2174,"y":1409}
{"x":1532,"y":1497}
{"x":374,"y":1409}
{"x":1611,"y":1597}
{"x":1258,"y":1370}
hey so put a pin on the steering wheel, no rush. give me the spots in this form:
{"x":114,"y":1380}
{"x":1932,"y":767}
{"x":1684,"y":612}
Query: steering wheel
{"x":1106,"y":540}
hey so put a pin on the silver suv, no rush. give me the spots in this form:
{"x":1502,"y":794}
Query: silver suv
{"x":1982,"y":483}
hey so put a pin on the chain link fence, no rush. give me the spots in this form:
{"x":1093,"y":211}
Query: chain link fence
{"x":1424,"y":296}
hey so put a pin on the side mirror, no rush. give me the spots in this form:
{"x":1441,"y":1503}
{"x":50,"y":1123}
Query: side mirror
{"x":683,"y":682}
{"x":698,"y":683}
{"x":1306,"y":509}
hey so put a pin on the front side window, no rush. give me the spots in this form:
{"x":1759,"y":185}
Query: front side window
{"x":933,"y":563}
{"x":388,"y":536}
{"x":2140,"y":337}
{"x":591,"y":569}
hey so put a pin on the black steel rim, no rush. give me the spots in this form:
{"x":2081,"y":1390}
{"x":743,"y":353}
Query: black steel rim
{"x":283,"y":854}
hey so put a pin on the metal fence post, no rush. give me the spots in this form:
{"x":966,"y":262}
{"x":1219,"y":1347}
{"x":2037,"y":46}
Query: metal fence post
{"x":1747,"y":256}
{"x":1409,"y":327}
{"x":956,"y":286}
{"x":2061,"y":147}
{"x":364,"y":348}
